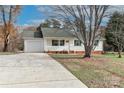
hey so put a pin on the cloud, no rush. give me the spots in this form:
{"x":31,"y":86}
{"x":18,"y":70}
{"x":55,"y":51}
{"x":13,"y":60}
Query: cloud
{"x":35,"y":22}
{"x":113,"y":8}
{"x":27,"y":25}
{"x":47,"y":11}
{"x":44,"y":9}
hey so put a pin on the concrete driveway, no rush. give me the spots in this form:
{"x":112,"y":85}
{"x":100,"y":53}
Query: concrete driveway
{"x":35,"y":70}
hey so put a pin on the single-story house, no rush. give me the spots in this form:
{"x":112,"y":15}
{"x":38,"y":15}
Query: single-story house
{"x":55,"y":40}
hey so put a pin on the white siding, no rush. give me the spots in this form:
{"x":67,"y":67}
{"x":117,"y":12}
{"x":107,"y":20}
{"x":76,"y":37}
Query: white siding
{"x":75,"y":48}
{"x":68,"y":46}
{"x":100,"y":46}
{"x":49,"y":47}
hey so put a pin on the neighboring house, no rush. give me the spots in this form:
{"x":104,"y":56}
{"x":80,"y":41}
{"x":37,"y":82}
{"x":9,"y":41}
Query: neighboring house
{"x":55,"y":40}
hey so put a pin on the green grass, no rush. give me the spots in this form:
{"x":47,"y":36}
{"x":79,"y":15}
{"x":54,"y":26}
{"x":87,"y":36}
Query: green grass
{"x":99,"y":71}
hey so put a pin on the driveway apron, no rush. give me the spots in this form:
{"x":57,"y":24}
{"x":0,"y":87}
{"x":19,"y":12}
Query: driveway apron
{"x":33,"y":70}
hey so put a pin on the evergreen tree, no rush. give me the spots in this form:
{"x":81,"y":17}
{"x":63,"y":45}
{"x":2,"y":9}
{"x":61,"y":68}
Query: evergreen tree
{"x":115,"y":32}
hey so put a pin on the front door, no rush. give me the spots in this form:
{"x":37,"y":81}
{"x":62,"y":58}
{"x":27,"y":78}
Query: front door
{"x":68,"y":45}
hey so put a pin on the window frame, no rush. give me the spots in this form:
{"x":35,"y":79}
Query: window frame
{"x":62,"y":42}
{"x":77,"y":44}
{"x":59,"y":42}
{"x":54,"y":41}
{"x":96,"y":43}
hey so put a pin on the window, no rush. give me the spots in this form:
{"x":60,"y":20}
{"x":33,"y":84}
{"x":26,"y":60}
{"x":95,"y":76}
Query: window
{"x":77,"y":43}
{"x":55,"y":42}
{"x":58,"y":42}
{"x":62,"y":42}
{"x":96,"y":42}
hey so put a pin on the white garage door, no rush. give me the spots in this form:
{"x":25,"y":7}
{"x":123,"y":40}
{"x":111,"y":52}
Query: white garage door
{"x":33,"y":46}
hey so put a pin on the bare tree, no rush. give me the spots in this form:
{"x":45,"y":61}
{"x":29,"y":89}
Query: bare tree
{"x":8,"y":15}
{"x":84,"y":21}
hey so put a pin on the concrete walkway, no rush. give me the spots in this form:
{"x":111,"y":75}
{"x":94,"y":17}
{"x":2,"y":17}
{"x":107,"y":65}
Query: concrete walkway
{"x":30,"y":70}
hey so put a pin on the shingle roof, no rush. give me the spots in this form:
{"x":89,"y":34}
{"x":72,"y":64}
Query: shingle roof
{"x":28,"y":33}
{"x":33,"y":34}
{"x":49,"y":32}
{"x":56,"y":32}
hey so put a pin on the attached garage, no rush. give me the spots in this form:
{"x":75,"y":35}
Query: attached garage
{"x":33,"y":40}
{"x":34,"y":45}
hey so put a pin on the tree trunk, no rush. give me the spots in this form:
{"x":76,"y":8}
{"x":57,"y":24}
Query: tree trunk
{"x":5,"y":46}
{"x":119,"y":54}
{"x":87,"y":52}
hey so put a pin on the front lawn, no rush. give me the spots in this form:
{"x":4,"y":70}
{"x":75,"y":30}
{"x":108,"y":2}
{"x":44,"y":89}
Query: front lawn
{"x":99,"y":71}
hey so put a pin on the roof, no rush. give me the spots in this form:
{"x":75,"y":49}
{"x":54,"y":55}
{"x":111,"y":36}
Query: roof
{"x":32,"y":34}
{"x":48,"y":32}
{"x":28,"y":33}
{"x":56,"y":32}
{"x":30,"y":28}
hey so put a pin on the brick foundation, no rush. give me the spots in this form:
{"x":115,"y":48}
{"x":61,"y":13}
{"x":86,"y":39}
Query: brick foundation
{"x":74,"y":52}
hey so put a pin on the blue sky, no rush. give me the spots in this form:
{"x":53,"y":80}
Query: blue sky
{"x":34,"y":14}
{"x":29,"y":14}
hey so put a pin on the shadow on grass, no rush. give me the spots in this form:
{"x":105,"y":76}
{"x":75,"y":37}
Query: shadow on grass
{"x":66,"y":56}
